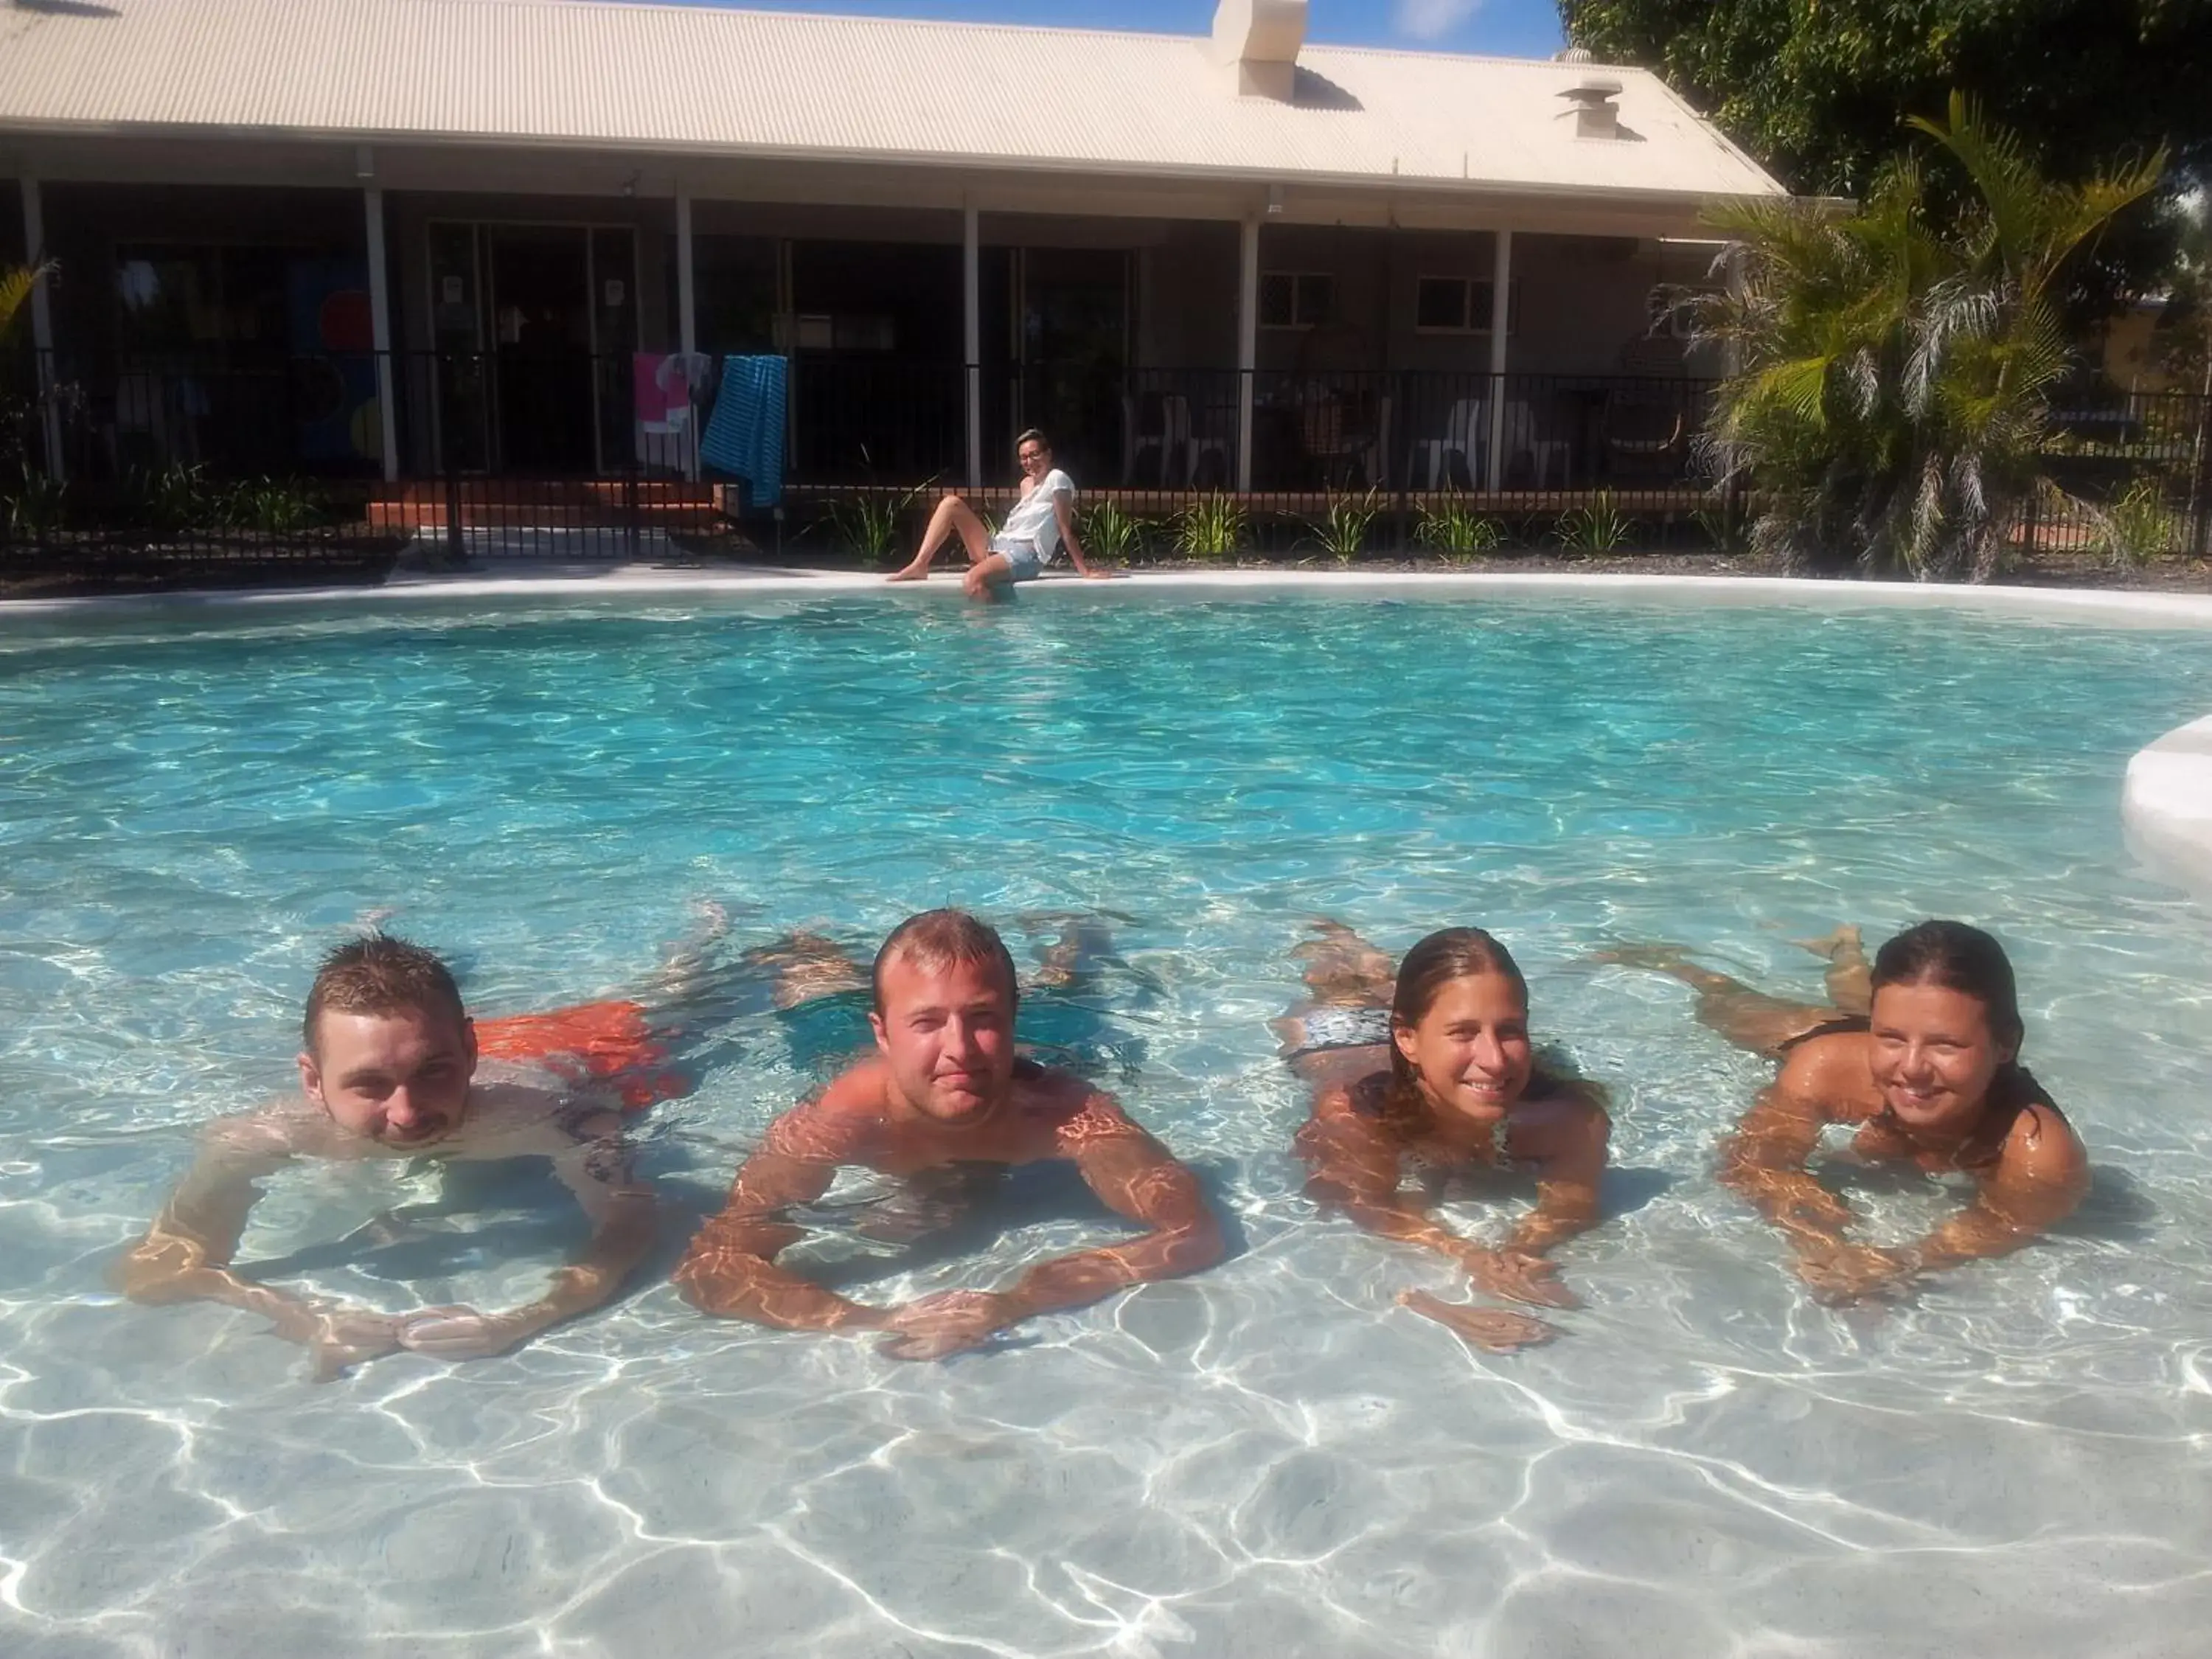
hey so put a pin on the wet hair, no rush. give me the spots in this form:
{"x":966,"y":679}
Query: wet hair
{"x":1435,"y":962}
{"x":1033,"y":436}
{"x":1958,"y":957}
{"x":938,"y":940}
{"x":379,"y":975}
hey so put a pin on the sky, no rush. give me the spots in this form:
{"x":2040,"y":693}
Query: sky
{"x":1514,"y":28}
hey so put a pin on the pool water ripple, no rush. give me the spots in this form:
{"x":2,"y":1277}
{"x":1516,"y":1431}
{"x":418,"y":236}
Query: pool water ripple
{"x":1266,"y":1459}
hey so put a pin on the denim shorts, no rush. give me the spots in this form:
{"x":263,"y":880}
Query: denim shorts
{"x":1024,"y":562}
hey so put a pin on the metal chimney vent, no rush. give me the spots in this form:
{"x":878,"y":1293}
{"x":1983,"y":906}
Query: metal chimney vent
{"x":1596,"y":116}
{"x":1258,"y":41}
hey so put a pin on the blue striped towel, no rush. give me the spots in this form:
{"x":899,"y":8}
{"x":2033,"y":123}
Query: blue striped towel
{"x":745,"y":436}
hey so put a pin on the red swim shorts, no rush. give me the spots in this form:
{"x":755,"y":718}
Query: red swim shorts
{"x":609,"y":1042}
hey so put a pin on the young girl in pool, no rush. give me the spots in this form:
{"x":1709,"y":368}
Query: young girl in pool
{"x":1435,"y":1070}
{"x":1922,"y":1054}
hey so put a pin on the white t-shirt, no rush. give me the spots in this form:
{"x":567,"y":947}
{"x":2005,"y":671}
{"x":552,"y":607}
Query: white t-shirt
{"x":1032,"y":519}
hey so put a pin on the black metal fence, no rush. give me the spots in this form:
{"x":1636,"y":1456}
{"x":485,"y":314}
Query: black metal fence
{"x":270,"y":458}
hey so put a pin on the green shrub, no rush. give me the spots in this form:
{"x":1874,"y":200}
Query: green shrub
{"x":2137,"y":528}
{"x":1211,"y":527}
{"x":1598,"y":528}
{"x":1108,"y":532}
{"x":1343,"y":533}
{"x":1457,"y":533}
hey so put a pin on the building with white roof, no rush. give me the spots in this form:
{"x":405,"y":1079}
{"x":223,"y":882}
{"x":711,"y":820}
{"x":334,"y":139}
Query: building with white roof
{"x":423,"y":235}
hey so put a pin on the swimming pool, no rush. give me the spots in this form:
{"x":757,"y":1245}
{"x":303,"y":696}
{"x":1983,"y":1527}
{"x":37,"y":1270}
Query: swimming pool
{"x":1267,"y":1459}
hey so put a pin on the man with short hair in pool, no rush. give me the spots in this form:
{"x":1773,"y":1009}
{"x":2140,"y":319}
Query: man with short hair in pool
{"x":944,"y":1100}
{"x":1922,"y":1054}
{"x":392,"y":1066}
{"x":1042,"y":524}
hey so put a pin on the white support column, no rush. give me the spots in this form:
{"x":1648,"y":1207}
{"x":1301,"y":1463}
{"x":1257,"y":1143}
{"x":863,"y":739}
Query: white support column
{"x":971,"y":357}
{"x":42,"y":327}
{"x":1248,"y":345}
{"x":687,"y":293}
{"x":1501,"y":313}
{"x":379,"y":325}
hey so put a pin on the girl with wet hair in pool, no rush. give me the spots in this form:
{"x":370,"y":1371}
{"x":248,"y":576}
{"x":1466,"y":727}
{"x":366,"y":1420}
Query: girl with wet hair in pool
{"x":1921,"y":1053}
{"x":1433,"y":1068}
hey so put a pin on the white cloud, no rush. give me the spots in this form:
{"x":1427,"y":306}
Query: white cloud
{"x":1431,"y":20}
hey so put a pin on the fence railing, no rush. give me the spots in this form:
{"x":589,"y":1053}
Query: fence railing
{"x":271,"y":455}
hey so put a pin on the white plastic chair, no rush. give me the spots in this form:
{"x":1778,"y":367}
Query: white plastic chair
{"x":1521,"y":423}
{"x":1135,"y":440}
{"x":1182,"y":440}
{"x":1466,"y":435}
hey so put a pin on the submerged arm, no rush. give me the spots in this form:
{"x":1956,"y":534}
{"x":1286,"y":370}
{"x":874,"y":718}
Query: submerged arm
{"x":621,"y":1209}
{"x":1764,"y":1161}
{"x":1355,"y":1167}
{"x":1568,"y":1168}
{"x":186,"y":1253}
{"x":731,"y":1269}
{"x":2041,"y":1176}
{"x":1136,"y":1178}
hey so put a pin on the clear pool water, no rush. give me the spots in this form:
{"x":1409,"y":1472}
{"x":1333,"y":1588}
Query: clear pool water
{"x":1267,"y":1460}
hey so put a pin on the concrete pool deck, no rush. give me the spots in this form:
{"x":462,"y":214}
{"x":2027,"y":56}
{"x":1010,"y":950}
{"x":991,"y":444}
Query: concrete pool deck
{"x":2166,"y":801}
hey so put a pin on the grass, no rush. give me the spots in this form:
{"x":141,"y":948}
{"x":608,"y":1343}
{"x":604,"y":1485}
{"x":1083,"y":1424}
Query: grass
{"x":1343,"y":533}
{"x":2138,"y":527}
{"x":1211,"y":528}
{"x":1601,"y":527}
{"x":1457,"y":533}
{"x":1109,"y":533}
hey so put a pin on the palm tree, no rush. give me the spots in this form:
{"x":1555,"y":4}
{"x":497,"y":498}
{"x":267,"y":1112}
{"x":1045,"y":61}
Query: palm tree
{"x":1892,"y":366}
{"x":16,"y":282}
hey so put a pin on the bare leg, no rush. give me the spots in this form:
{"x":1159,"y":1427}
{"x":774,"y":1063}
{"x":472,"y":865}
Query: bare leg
{"x":1851,"y":977}
{"x":806,"y":966}
{"x":987,"y":577}
{"x":686,"y":969}
{"x":953,"y":517}
{"x":1342,"y":970}
{"x":1750,"y":1019}
{"x":1071,"y":962}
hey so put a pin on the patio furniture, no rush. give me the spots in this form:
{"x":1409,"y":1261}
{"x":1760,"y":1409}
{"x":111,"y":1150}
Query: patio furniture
{"x":1521,"y":435}
{"x":1645,"y":434}
{"x":1144,"y":426}
{"x":1191,"y":443}
{"x":1466,"y":435}
{"x":1344,"y":432}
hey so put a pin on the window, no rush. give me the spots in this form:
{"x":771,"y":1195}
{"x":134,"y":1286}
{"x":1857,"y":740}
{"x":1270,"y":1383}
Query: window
{"x":1460,"y":304}
{"x":1296,"y":299}
{"x":1672,"y":309}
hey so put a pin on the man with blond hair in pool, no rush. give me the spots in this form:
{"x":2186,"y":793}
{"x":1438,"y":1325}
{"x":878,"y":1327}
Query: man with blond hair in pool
{"x":944,"y":1100}
{"x":391,"y":1066}
{"x":1042,"y":525}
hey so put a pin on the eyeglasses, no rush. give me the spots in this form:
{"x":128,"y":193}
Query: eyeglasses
{"x":1027,"y":455}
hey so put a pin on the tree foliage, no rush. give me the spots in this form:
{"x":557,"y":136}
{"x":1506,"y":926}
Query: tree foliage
{"x":1817,"y":89}
{"x":1892,"y":366}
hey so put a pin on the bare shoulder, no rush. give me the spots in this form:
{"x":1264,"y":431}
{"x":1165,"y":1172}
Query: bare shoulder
{"x":1076,"y":1110}
{"x":282,"y":1129}
{"x":1833,"y":1073}
{"x":1569,"y":1118}
{"x":842,"y":1123}
{"x":2041,"y":1142}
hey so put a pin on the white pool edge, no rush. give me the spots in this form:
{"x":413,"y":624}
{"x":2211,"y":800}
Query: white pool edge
{"x":2165,"y":803}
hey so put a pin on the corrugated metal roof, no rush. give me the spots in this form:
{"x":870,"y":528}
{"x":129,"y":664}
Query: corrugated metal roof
{"x":576,"y":74}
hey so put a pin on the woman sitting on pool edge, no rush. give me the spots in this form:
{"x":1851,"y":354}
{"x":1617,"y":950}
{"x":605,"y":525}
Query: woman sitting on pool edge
{"x":1040,"y":525}
{"x":1922,"y":1054}
{"x":1443,"y":1076}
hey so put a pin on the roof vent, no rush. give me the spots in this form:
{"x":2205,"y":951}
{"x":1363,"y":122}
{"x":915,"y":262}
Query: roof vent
{"x":1573,"y":55}
{"x":1258,"y":41}
{"x":1590,"y":98}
